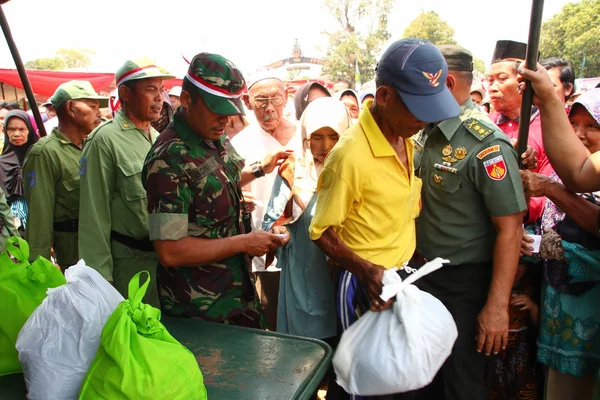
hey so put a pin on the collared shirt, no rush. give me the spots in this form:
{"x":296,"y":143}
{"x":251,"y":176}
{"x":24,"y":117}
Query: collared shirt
{"x":367,"y":195}
{"x":51,"y":168}
{"x":470,"y":173}
{"x":193,"y":190}
{"x":112,"y":195}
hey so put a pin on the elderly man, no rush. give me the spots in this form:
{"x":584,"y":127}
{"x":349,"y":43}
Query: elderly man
{"x":272,"y":133}
{"x":368,"y":193}
{"x":113,"y":219}
{"x":51,"y":167}
{"x":193,"y":177}
{"x":473,"y":205}
{"x":506,"y":100}
{"x":562,"y":75}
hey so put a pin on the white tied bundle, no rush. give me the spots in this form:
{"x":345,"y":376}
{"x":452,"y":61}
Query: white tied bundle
{"x":59,"y":341}
{"x":399,"y":349}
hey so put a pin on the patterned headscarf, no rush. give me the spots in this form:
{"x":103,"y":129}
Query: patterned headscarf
{"x":590,"y":100}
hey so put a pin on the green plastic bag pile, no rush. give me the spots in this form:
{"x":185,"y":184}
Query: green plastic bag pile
{"x":139,"y":359}
{"x":22,"y":289}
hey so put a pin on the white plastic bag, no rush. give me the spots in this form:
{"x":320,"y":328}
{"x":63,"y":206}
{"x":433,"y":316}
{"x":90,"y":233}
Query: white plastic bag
{"x":400,"y":349}
{"x":59,"y":340}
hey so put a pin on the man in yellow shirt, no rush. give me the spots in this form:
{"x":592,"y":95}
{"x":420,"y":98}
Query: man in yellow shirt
{"x":368,"y":193}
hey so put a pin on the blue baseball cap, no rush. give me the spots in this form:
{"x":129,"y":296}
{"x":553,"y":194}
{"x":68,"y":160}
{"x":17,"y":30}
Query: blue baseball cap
{"x":418,"y":71}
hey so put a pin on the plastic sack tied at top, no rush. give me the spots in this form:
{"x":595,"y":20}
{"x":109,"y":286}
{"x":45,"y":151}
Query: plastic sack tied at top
{"x":60,"y":339}
{"x":400,"y":349}
{"x":22,"y":289}
{"x":139,"y":359}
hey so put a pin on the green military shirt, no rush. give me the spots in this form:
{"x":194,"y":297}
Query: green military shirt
{"x":113,"y":199}
{"x":470,"y":173}
{"x":7,"y":222}
{"x":193,"y":190}
{"x":52,"y":194}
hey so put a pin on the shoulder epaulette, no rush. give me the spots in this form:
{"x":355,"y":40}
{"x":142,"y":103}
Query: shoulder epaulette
{"x":478,"y":128}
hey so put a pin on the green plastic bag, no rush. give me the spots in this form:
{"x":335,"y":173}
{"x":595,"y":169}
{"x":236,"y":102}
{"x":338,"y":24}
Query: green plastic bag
{"x":22,"y":289}
{"x":138,"y":358}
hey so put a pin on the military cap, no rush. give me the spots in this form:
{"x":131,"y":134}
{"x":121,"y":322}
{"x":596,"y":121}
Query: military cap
{"x":458,"y":58}
{"x":508,"y":50}
{"x":219,"y":82}
{"x":138,"y":69}
{"x":76,"y":90}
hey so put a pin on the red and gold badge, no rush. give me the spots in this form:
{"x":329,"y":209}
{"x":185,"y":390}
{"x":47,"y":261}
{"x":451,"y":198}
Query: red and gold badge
{"x":495,"y":168}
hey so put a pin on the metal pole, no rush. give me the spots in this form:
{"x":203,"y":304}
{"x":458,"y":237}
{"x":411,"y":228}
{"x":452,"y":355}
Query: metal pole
{"x":22,"y":73}
{"x":533,"y":44}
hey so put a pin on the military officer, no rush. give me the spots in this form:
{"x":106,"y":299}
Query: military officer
{"x":52,"y":171}
{"x":113,"y":218}
{"x":193,"y":177}
{"x":473,"y":205}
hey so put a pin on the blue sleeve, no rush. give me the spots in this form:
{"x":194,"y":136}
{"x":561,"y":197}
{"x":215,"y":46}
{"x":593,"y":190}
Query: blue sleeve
{"x":280,"y":196}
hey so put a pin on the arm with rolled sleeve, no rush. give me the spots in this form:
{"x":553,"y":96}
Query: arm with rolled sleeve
{"x":40,"y":194}
{"x":97,"y":182}
{"x":505,"y":203}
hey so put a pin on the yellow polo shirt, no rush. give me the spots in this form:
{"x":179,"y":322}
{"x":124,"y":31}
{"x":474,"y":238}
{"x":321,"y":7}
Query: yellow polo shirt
{"x":368,"y":197}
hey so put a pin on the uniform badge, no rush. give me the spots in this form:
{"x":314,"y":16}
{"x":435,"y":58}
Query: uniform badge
{"x":82,"y":166}
{"x":488,"y":151}
{"x":31,"y":179}
{"x":460,"y":153}
{"x":479,"y":130}
{"x":438,"y":179}
{"x":495,"y":168}
{"x":447,"y":150}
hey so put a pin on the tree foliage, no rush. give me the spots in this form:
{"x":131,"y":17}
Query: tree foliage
{"x":362,"y":30}
{"x":573,"y":34}
{"x":429,"y":26}
{"x":65,"y":58}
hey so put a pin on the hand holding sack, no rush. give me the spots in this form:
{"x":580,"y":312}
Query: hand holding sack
{"x":399,"y":349}
{"x":60,"y":339}
{"x":138,"y":358}
{"x":22,"y":289}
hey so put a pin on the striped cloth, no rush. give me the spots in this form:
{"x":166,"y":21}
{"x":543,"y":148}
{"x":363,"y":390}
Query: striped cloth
{"x":19,"y":209}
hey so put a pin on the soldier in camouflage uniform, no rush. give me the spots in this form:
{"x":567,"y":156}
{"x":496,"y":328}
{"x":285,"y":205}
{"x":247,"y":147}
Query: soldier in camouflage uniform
{"x":193,"y":178}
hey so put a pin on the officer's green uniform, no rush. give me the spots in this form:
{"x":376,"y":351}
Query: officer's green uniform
{"x":113,"y":217}
{"x":52,"y":194}
{"x":7,"y":222}
{"x":470,"y":173}
{"x":113,"y":207}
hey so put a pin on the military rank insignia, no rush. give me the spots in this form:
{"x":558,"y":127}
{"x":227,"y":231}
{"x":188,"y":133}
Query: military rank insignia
{"x":495,"y":168}
{"x":31,"y":179}
{"x":479,"y":130}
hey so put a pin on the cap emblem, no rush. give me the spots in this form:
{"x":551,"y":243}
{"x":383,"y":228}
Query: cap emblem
{"x":433,"y":78}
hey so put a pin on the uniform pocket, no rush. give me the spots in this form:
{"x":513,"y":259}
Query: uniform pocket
{"x":71,"y":184}
{"x":445,"y":181}
{"x":130,"y":181}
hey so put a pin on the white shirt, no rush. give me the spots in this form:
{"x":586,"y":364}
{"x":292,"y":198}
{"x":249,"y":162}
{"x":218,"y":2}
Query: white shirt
{"x":254,"y":144}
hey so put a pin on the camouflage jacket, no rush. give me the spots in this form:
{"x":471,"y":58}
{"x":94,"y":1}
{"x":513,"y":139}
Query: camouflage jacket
{"x":193,"y":190}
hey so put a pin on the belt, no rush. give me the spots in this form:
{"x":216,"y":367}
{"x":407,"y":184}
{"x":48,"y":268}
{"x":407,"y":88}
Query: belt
{"x":67,"y":226}
{"x":138,"y":244}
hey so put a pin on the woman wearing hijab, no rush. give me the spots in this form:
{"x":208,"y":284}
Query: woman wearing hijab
{"x":19,"y":136}
{"x":350,"y":99}
{"x":306,"y":293}
{"x":307,"y":93}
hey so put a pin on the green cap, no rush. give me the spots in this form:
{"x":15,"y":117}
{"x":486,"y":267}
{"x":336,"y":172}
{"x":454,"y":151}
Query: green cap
{"x":219,"y":82}
{"x":75,"y":90}
{"x":138,"y":69}
{"x":458,"y":58}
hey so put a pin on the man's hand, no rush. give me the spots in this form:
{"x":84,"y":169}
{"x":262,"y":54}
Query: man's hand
{"x":274,"y":160}
{"x":535,"y":185}
{"x":526,"y":248}
{"x":281,"y":230}
{"x":492,"y":329}
{"x":529,"y":157}
{"x":526,"y":304}
{"x":541,"y":83}
{"x":249,"y":202}
{"x":258,"y":243}
{"x":371,"y":277}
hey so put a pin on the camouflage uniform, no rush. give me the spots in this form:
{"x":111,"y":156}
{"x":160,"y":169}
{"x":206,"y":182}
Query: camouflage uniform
{"x":193,"y":190}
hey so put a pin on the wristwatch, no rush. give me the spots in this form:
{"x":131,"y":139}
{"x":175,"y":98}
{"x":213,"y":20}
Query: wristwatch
{"x":257,"y":169}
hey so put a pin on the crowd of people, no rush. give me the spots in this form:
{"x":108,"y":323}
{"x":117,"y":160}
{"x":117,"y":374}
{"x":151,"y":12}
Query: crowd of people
{"x":282,"y":223}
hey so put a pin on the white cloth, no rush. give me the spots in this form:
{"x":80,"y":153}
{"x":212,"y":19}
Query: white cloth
{"x":254,"y":144}
{"x":50,"y":125}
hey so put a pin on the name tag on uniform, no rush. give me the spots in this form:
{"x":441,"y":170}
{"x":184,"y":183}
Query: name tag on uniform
{"x":202,"y":171}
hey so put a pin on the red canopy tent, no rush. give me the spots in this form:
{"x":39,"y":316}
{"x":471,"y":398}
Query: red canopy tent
{"x":44,"y":83}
